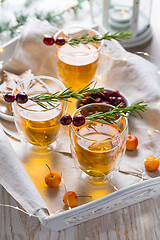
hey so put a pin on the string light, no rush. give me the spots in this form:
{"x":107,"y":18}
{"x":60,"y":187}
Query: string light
{"x":19,"y":209}
{"x":148,"y":55}
{"x":139,"y":53}
{"x":135,"y":174}
{"x":1,"y":50}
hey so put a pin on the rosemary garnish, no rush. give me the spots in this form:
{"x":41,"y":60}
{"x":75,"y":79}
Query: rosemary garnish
{"x":51,"y":99}
{"x":110,"y":116}
{"x":85,"y":38}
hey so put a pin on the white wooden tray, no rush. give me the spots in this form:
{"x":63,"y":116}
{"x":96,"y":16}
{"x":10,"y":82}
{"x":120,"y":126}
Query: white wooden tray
{"x":110,"y":203}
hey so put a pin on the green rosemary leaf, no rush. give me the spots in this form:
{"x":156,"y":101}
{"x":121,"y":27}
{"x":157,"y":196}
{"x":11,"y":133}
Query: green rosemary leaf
{"x":85,"y":38}
{"x":67,"y":94}
{"x":110,"y":116}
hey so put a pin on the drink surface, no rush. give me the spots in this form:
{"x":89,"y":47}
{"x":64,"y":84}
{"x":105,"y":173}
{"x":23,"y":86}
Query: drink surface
{"x":40,"y":127}
{"x":77,"y":65}
{"x":98,"y":149}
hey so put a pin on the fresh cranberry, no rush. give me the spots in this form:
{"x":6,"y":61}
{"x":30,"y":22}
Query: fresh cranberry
{"x":87,"y":100}
{"x":10,"y":98}
{"x":120,"y":99}
{"x":122,"y":106}
{"x":113,"y":101}
{"x":60,"y":41}
{"x":98,"y":100}
{"x":94,"y":95}
{"x":104,"y":95}
{"x":78,"y":120}
{"x":21,"y":98}
{"x":66,"y":119}
{"x":48,"y":40}
{"x":106,"y":102}
{"x":115,"y":94}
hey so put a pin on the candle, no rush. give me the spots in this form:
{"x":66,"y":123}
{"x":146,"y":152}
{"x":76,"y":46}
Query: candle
{"x":120,"y":17}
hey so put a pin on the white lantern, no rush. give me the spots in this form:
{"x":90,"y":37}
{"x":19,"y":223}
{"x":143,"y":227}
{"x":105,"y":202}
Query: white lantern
{"x":133,"y":15}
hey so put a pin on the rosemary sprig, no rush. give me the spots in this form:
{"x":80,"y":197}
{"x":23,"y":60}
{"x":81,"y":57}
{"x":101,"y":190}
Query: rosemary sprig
{"x":45,"y":99}
{"x":85,"y":38}
{"x":110,"y":116}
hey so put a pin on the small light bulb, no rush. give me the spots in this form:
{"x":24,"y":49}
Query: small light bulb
{"x":46,"y":35}
{"x":146,"y":54}
{"x":98,"y":76}
{"x":51,"y":215}
{"x":149,"y":132}
{"x":125,"y":59}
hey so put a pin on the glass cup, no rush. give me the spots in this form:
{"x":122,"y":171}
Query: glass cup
{"x":39,"y":126}
{"x":77,"y":64}
{"x":98,"y":147}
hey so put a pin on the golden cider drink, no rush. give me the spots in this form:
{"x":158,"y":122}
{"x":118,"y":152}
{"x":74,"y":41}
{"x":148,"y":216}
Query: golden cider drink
{"x":96,"y":150}
{"x":40,"y":127}
{"x":77,"y":65}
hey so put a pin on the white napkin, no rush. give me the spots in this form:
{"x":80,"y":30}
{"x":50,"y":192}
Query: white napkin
{"x":31,"y":53}
{"x":15,"y":179}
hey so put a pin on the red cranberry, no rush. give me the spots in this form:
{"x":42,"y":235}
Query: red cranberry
{"x":48,"y":40}
{"x":60,"y":41}
{"x":115,"y":94}
{"x":87,"y":100}
{"x":21,"y":98}
{"x":78,"y":120}
{"x":66,"y":119}
{"x":94,"y":95}
{"x":106,"y":102}
{"x":120,"y":99}
{"x":122,"y":106}
{"x":113,"y":101}
{"x":98,"y":100}
{"x":104,"y":95}
{"x":10,"y":98}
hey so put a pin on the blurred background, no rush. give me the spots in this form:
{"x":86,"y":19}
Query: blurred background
{"x":139,"y":16}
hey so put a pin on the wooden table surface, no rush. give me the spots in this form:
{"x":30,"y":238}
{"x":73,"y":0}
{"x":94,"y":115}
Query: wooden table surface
{"x":137,"y":222}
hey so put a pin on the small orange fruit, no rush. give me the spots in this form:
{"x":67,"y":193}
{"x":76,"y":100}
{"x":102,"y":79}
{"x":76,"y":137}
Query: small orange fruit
{"x":132,"y":142}
{"x":52,"y":179}
{"x":70,"y":199}
{"x":151,"y":163}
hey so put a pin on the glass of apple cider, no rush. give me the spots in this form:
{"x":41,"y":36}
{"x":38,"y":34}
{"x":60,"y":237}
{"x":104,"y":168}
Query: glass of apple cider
{"x":39,"y":126}
{"x":97,"y":147}
{"x":77,"y":64}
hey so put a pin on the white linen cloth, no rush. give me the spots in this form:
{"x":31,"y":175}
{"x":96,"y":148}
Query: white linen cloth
{"x":137,"y":78}
{"x":15,"y":179}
